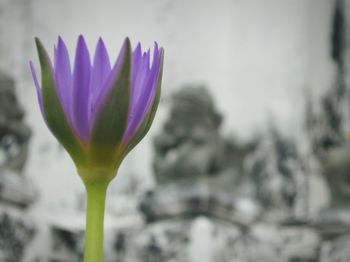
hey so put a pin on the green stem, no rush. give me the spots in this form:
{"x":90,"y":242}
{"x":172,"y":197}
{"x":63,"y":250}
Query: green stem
{"x":96,"y":196}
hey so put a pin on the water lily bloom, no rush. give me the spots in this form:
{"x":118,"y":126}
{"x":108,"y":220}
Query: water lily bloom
{"x":98,"y":112}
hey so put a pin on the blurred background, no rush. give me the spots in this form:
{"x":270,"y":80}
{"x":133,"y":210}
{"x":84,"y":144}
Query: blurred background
{"x":248,"y":158}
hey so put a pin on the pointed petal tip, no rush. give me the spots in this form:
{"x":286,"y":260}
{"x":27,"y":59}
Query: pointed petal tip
{"x":100,"y":43}
{"x":44,"y":58}
{"x":82,"y":51}
{"x":60,"y":41}
{"x":158,"y":50}
{"x":161,"y":58}
{"x":161,"y":52}
{"x":81,"y":40}
{"x":39,"y":45}
{"x":126,"y":46}
{"x":138,"y":50}
{"x":38,"y":42}
{"x":61,"y":47}
{"x":156,"y":46}
{"x":81,"y":43}
{"x":127,"y":43}
{"x":100,"y":51}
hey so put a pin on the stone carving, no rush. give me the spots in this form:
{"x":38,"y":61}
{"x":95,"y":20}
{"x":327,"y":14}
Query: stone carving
{"x":16,"y":192}
{"x":15,"y":233}
{"x":189,"y":144}
{"x":14,"y":133}
{"x":334,"y":220}
{"x":190,"y":200}
{"x":14,"y":140}
{"x":164,"y":241}
{"x":335,"y":249}
{"x":277,"y":175}
{"x":194,"y":165}
{"x":66,"y":245}
{"x":204,"y":239}
{"x":327,"y":132}
{"x":337,"y":166}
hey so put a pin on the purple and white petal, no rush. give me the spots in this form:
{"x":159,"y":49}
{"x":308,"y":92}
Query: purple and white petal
{"x":63,"y":77}
{"x":100,"y":70}
{"x":144,"y":85}
{"x":105,"y":88}
{"x":81,"y":90}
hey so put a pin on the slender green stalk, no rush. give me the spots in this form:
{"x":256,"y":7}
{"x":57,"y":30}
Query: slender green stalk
{"x":96,"y":196}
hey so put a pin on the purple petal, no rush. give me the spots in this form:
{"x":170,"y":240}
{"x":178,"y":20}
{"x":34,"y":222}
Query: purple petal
{"x":139,"y":78}
{"x":144,"y":84}
{"x":38,"y":88}
{"x":104,"y":90}
{"x":63,"y":77}
{"x":81,"y":90}
{"x":157,"y":57}
{"x":140,"y":74}
{"x":100,"y":70}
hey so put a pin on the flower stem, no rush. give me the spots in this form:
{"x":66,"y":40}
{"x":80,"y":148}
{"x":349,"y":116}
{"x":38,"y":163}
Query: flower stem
{"x":96,"y":196}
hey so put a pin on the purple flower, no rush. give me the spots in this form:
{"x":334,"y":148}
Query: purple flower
{"x":97,"y":111}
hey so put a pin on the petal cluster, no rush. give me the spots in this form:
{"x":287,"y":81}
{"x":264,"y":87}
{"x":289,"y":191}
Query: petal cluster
{"x":96,"y":109}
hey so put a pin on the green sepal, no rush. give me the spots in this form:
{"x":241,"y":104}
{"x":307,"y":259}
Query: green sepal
{"x":53,"y":111}
{"x":111,"y":119}
{"x":147,"y":122}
